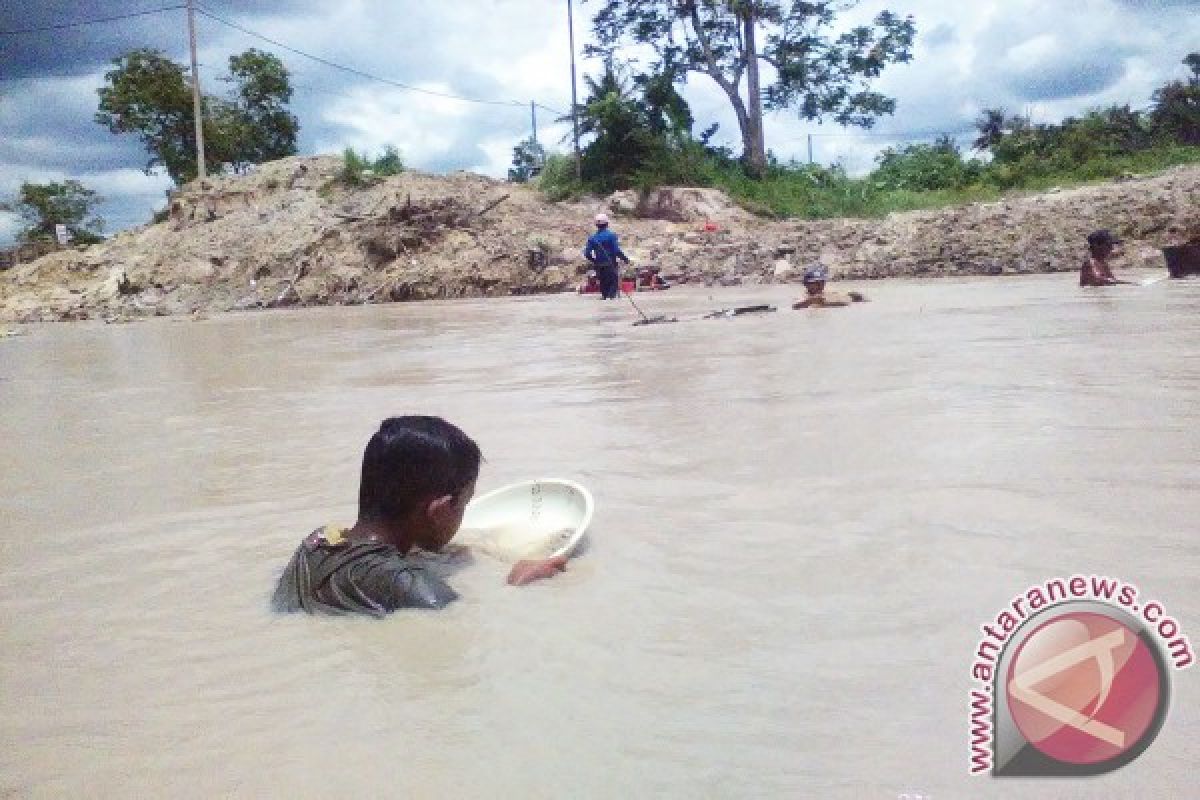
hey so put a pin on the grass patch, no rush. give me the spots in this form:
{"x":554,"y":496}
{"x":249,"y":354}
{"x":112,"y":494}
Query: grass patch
{"x":805,"y":191}
{"x":359,"y":170}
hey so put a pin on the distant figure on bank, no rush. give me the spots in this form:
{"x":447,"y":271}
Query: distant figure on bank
{"x":1102,"y":245}
{"x":602,"y":252}
{"x":814,"y":284}
{"x":418,"y":474}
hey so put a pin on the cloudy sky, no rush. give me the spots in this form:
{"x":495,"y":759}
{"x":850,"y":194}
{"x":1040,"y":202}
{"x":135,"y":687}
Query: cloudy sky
{"x":1046,"y":59}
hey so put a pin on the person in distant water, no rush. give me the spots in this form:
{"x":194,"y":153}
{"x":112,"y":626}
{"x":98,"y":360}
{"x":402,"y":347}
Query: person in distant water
{"x":1102,"y":245}
{"x":418,"y":474}
{"x":814,"y":284}
{"x":602,"y":251}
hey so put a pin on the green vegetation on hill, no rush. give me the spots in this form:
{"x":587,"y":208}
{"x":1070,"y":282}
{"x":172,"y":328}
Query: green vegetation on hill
{"x":359,"y":169}
{"x":644,"y":140}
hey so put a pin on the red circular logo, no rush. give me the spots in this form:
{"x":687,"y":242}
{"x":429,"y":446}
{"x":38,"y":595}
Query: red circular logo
{"x":1084,"y":688}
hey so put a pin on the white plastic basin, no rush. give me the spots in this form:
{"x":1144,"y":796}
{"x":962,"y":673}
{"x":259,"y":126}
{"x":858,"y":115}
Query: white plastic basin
{"x":532,"y":519}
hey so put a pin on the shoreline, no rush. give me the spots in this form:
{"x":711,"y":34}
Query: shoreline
{"x":281,"y":237}
{"x":650,"y":301}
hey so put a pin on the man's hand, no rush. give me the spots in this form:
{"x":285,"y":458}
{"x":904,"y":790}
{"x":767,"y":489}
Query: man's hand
{"x":528,"y":571}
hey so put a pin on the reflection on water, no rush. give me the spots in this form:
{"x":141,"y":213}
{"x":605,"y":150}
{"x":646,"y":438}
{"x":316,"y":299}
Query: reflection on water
{"x":801,"y":520}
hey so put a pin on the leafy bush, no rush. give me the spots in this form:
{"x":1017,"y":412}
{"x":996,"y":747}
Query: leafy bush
{"x":528,"y":159}
{"x":557,"y":180}
{"x":359,"y":171}
{"x":354,"y":170}
{"x":925,"y":167}
{"x":44,"y":206}
{"x":388,"y":164}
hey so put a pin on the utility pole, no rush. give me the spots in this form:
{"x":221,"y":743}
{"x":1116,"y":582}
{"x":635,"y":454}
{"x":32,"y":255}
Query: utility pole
{"x":197,"y":108}
{"x":574,"y":96}
{"x":533,"y":116}
{"x":810,"y":148}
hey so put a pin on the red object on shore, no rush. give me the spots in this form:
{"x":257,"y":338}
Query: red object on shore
{"x":647,"y":280}
{"x":650,"y":280}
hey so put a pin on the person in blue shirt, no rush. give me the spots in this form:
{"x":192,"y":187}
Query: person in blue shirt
{"x":602,"y":252}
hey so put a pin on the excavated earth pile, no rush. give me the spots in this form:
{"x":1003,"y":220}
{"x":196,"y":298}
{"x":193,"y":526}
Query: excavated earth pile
{"x":291,"y":234}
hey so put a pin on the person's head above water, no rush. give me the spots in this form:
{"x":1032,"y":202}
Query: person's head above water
{"x":1101,"y":243}
{"x":814,"y":278}
{"x":601,"y":221}
{"x":418,"y":474}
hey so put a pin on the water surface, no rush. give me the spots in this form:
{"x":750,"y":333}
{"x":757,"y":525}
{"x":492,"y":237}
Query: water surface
{"x":802,"y":519}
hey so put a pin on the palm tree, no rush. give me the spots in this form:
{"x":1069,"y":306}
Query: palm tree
{"x":991,"y":126}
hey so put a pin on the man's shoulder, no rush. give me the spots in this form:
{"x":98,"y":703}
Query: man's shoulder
{"x":357,"y":577}
{"x":396,"y":581}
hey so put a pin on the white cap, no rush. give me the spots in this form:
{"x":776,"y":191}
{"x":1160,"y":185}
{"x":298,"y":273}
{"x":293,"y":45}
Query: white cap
{"x":602,"y":219}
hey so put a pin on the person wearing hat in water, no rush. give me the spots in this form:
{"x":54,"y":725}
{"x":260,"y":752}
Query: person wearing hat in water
{"x":1095,"y":270}
{"x":418,"y":474}
{"x":814,"y":283}
{"x":602,"y":251}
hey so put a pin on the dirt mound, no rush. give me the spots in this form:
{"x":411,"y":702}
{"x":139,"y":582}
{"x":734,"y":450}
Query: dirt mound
{"x":676,"y":204}
{"x":291,"y":234}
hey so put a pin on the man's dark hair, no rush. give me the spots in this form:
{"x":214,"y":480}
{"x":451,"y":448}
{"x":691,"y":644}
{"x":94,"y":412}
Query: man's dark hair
{"x":410,"y":460}
{"x":1101,"y":241}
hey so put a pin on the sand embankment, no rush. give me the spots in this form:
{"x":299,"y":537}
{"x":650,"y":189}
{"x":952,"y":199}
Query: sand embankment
{"x":289,"y":235}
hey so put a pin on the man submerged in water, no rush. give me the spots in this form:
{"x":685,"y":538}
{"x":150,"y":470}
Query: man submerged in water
{"x":1102,"y":245}
{"x":418,"y":474}
{"x":814,"y":284}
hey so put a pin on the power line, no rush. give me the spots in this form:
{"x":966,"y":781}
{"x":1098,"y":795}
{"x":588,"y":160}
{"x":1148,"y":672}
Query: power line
{"x":95,"y":21}
{"x":300,"y":87}
{"x":40,"y":77}
{"x":352,"y":70}
{"x":53,"y":75}
{"x":897,"y":135}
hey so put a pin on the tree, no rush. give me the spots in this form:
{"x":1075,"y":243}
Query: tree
{"x":265,"y":129}
{"x":812,"y":71}
{"x":1001,"y":133}
{"x":1116,"y":130}
{"x":70,"y":203}
{"x":1192,"y":60}
{"x":637,"y":126}
{"x":991,"y":127}
{"x":924,"y":167}
{"x":148,"y":94}
{"x":528,"y":158}
{"x":1176,"y":112}
{"x":623,"y":141}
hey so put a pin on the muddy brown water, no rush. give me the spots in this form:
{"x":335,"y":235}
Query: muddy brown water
{"x":802,"y":521}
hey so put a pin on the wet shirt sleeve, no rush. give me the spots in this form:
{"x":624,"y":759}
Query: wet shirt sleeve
{"x":359,"y":579}
{"x":385,"y":584}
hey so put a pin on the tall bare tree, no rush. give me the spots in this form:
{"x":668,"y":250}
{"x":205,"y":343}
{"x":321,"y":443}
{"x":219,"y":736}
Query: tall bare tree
{"x":807,"y":66}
